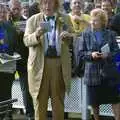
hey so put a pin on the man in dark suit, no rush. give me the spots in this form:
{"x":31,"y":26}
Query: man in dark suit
{"x":15,"y":7}
{"x":8,"y":36}
{"x":115,"y":23}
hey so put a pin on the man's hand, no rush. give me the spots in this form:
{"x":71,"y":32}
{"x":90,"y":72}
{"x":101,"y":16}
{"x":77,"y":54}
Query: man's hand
{"x":78,"y":19}
{"x":65,"y":36}
{"x":39,"y":31}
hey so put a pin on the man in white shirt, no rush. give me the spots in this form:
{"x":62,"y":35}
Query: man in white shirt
{"x":48,"y":36}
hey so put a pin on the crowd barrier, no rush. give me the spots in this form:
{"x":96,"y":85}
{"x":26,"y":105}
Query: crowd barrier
{"x":73,"y":101}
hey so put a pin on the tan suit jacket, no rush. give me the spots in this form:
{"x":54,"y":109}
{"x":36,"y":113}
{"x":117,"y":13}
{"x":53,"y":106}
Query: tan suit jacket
{"x":36,"y":53}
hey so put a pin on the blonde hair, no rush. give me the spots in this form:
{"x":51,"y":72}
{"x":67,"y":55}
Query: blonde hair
{"x":101,"y":14}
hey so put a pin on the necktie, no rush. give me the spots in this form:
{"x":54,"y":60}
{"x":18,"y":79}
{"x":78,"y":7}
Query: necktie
{"x":50,"y":17}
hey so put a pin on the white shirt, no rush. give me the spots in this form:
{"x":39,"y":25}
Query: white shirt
{"x":53,"y":34}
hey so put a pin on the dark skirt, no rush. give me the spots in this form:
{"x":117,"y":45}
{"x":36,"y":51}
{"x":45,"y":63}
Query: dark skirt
{"x":6,"y":80}
{"x":103,"y":94}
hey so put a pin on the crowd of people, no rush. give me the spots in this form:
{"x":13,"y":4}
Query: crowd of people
{"x":12,"y":16}
{"x":52,"y":44}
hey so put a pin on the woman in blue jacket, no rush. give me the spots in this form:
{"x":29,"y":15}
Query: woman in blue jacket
{"x":99,"y":48}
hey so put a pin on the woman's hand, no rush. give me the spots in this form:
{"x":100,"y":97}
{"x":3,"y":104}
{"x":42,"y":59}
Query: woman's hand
{"x":97,"y":55}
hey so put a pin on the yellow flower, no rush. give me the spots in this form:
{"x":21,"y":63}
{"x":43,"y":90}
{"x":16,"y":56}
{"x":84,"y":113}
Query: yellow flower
{"x":61,"y":20}
{"x":62,"y":23}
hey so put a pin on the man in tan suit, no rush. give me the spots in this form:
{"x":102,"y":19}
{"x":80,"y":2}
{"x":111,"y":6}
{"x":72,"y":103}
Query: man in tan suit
{"x":48,"y":37}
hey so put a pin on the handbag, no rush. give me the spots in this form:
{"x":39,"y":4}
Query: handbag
{"x":110,"y":74}
{"x":110,"y":71}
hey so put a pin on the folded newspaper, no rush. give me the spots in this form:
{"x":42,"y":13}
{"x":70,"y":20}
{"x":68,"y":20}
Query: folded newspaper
{"x":20,"y":25}
{"x":5,"y":58}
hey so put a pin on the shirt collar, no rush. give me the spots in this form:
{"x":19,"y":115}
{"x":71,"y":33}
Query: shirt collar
{"x":45,"y":16}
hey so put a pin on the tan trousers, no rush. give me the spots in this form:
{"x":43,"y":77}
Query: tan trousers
{"x":52,"y":86}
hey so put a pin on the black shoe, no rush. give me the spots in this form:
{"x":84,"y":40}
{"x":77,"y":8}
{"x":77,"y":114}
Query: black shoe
{"x":8,"y":117}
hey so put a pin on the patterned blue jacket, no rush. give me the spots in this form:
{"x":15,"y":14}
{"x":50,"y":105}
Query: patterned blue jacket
{"x":92,"y":75}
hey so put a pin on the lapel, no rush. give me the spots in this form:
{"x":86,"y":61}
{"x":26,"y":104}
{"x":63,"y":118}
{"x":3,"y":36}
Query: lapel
{"x":38,"y":20}
{"x":91,"y":40}
{"x":105,"y":37}
{"x":59,"y":24}
{"x":58,"y":31}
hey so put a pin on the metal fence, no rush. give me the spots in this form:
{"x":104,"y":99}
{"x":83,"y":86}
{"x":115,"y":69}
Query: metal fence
{"x":73,"y":101}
